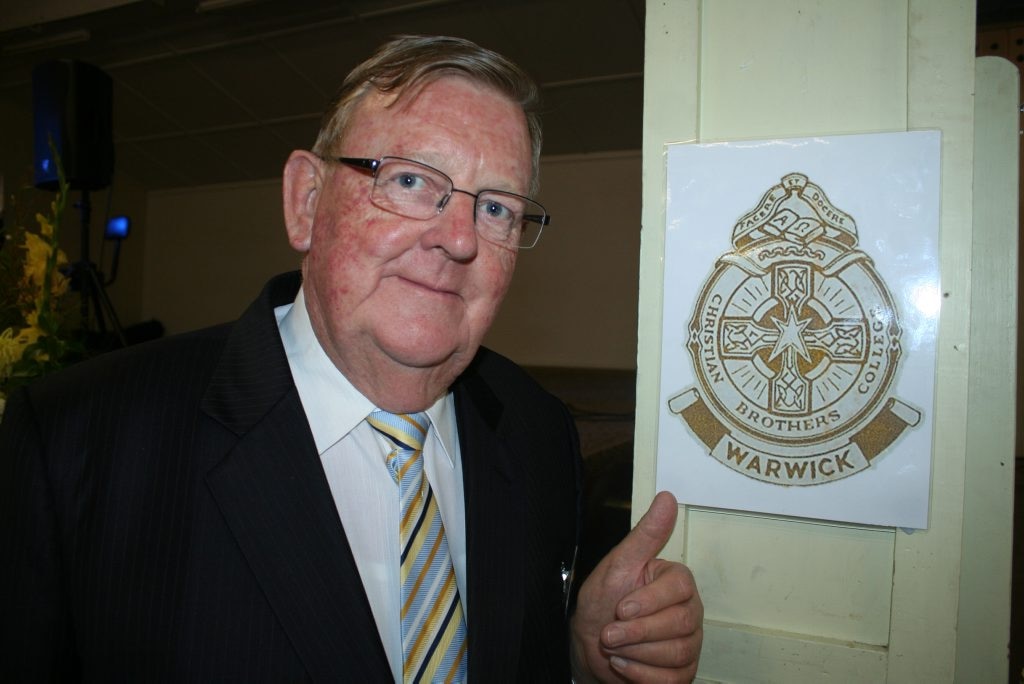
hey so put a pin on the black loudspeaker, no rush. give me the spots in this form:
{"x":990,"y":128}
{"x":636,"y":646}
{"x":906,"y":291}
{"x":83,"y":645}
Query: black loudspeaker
{"x":72,"y":103}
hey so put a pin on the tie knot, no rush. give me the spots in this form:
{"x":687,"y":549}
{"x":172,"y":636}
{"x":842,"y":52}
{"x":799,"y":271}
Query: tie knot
{"x":406,"y":430}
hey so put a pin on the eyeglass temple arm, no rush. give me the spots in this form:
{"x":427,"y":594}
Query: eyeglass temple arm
{"x":542,"y":219}
{"x":370,"y":164}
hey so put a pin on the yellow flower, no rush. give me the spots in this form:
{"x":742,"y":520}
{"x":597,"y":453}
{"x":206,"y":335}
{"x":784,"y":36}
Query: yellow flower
{"x":45,"y":225}
{"x":13,"y":346}
{"x":11,"y":349}
{"x":33,"y":343}
{"x":37,"y":251}
{"x":33,"y":332}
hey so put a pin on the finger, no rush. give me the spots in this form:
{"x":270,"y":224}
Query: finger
{"x":635,"y":671}
{"x":673,"y":653}
{"x":668,"y":584}
{"x":675,"y":622}
{"x":650,"y":534}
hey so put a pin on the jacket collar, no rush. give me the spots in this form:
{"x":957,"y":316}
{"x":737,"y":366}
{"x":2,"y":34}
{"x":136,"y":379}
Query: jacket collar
{"x":495,"y":530}
{"x":252,"y":374}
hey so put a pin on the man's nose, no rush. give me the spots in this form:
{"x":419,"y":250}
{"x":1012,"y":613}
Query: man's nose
{"x":454,"y":229}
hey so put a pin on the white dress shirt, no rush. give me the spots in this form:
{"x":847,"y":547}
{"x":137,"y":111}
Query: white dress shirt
{"x":354,"y":458}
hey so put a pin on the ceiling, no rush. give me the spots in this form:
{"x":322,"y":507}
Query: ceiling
{"x":1000,"y":12}
{"x":225,"y":93}
{"x":211,"y":91}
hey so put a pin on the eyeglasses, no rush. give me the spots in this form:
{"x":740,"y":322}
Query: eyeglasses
{"x":414,"y":190}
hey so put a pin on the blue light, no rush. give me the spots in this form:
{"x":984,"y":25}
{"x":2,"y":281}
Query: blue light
{"x":46,"y":165}
{"x":118,"y":227}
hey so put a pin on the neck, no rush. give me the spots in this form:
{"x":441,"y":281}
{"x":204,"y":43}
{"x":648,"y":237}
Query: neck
{"x":399,"y":389}
{"x":387,"y":382}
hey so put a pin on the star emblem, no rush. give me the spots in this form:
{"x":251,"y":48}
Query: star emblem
{"x":791,"y":336}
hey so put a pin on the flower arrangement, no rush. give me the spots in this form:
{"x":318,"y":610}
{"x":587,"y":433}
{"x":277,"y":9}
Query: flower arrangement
{"x":32,"y":298}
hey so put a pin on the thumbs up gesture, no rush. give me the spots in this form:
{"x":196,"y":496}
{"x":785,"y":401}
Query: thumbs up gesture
{"x":638,"y":617}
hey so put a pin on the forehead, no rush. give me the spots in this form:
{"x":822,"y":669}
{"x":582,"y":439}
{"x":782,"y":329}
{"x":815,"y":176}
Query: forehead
{"x":450,"y":120}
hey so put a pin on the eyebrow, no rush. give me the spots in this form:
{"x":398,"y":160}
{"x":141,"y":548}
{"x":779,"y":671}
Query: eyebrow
{"x":434,"y":160}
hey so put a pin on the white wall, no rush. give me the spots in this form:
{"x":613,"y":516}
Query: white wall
{"x":209,"y":250}
{"x":573,"y":300}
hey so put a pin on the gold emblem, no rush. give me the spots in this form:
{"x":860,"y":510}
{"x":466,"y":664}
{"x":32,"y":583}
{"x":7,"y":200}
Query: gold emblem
{"x":795,"y":343}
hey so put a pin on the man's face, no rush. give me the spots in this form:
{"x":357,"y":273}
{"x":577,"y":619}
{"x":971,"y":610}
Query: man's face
{"x":388,"y":293}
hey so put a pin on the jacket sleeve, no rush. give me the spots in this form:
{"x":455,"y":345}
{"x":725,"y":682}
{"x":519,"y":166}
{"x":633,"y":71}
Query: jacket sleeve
{"x":35,"y":628}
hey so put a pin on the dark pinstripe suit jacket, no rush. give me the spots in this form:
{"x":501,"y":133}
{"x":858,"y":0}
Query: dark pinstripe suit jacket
{"x":164,"y":517}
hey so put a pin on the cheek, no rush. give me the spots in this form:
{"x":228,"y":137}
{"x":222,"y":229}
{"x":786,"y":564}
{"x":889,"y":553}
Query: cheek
{"x":494,"y":280}
{"x":359,"y":233}
{"x":334,"y":261}
{"x":348,"y":253}
{"x":507,"y":266}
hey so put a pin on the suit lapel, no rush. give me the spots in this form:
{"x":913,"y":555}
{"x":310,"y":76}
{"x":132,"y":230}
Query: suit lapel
{"x":274,"y":495}
{"x":494,"y":533}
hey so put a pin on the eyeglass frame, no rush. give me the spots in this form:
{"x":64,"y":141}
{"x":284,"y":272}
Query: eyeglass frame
{"x":373,"y":165}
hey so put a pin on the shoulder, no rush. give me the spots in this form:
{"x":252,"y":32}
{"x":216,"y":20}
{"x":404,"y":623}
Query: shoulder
{"x":174,"y":369}
{"x":149,"y":391}
{"x":493,"y":377}
{"x":156,"y":366}
{"x":518,"y":411}
{"x":503,"y":376}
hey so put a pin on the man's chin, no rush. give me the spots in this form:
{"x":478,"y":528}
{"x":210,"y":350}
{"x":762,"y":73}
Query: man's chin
{"x":451,"y":358}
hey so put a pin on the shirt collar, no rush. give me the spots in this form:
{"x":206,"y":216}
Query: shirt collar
{"x":333,"y":406}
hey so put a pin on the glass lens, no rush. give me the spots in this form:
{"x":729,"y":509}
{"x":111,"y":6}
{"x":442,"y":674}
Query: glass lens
{"x":503,"y":217}
{"x":415,"y":190}
{"x":410,"y":188}
{"x":530,"y":233}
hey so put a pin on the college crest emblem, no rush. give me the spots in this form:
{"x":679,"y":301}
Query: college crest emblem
{"x":795,"y":343}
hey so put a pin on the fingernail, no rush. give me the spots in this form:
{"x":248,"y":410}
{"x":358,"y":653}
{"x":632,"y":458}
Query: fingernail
{"x":617,"y":662}
{"x":629,"y":609}
{"x":614,"y":635}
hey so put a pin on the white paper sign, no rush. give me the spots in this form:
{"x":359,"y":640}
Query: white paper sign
{"x":801,"y":311}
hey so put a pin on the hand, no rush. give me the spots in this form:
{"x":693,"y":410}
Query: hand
{"x":639,"y":618}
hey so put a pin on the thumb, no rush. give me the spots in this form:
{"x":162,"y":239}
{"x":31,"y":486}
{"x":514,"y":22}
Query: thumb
{"x":650,"y":534}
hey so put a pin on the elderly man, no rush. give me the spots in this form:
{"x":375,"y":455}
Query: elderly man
{"x":342,"y":485}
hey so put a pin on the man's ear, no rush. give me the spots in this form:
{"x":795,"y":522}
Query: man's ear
{"x":303,"y":181}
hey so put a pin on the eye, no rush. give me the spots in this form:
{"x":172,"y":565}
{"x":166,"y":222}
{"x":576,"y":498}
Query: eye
{"x":407,"y":180}
{"x":493,"y":210}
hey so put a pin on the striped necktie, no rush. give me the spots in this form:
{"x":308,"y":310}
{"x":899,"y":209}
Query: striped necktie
{"x":433,"y":626}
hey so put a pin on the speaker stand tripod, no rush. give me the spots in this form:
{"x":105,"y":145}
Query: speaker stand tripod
{"x":89,"y":282}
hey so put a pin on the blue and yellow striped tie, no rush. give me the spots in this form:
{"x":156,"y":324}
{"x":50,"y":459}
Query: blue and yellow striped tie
{"x":433,"y":625}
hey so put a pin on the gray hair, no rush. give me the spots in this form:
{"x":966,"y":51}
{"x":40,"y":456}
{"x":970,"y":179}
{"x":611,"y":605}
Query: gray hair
{"x":409,"y":62}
